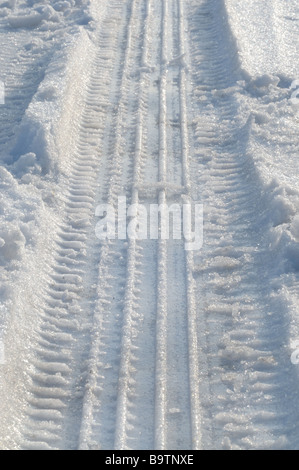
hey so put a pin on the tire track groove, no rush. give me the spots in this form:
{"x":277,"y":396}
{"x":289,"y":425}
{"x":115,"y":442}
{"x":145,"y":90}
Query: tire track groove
{"x":191,"y":301}
{"x":126,"y":380}
{"x":161,"y":320}
{"x":55,"y":403}
{"x":105,"y":344}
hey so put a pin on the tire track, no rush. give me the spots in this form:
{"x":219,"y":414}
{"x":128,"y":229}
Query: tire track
{"x":106,"y":397}
{"x":141,"y":344}
{"x":195,"y":406}
{"x":241,"y":373}
{"x":57,"y":386}
{"x":177,"y":402}
{"x":23,"y":72}
{"x":117,"y":392}
{"x":127,"y":384}
{"x":161,"y":319}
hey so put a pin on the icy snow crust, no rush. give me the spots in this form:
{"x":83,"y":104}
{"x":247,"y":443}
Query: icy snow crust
{"x":142,"y":346}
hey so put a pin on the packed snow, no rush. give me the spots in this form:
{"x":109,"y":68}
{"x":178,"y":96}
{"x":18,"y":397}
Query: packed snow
{"x":136,"y":344}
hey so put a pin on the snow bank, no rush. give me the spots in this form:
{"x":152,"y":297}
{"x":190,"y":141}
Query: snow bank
{"x":265,"y":39}
{"x":12,"y":244}
{"x":278,"y":211}
{"x":30,"y":21}
{"x":47,"y":128}
{"x":273,"y":149}
{"x":267,"y":35}
{"x":20,"y":206}
{"x":30,"y":178}
{"x":264,"y":36}
{"x":45,"y":16}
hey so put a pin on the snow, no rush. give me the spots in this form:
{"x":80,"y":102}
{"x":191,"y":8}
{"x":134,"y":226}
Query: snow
{"x":179,"y":101}
{"x":42,"y":15}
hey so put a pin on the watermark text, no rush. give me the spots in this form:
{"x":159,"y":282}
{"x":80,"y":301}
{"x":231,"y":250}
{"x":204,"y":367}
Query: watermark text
{"x":151,"y":222}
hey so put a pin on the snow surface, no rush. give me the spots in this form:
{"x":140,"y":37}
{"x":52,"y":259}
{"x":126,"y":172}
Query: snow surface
{"x":138,"y":344}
